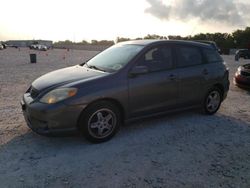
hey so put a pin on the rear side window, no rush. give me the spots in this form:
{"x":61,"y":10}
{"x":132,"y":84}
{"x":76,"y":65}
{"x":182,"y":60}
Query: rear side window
{"x":158,"y":58}
{"x":212,"y":56}
{"x":188,"y":56}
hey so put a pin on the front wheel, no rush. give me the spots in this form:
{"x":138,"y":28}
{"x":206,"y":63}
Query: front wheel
{"x":100,"y":121}
{"x":212,"y":101}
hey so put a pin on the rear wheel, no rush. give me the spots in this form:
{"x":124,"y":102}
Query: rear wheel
{"x":100,"y":121}
{"x":213,"y":101}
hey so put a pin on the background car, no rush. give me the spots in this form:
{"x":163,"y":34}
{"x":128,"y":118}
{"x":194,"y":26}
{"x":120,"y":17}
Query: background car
{"x":42,"y":47}
{"x":1,"y":47}
{"x":242,"y":76}
{"x":242,"y":53}
{"x":33,"y":46}
{"x":38,"y":47}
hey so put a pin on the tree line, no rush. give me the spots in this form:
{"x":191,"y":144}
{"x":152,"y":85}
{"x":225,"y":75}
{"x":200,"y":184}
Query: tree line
{"x":225,"y":41}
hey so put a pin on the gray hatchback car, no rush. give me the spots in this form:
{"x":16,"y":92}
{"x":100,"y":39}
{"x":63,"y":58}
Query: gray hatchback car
{"x":127,"y":81}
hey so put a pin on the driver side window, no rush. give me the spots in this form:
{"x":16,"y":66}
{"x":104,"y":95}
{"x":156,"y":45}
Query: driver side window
{"x":157,"y":59}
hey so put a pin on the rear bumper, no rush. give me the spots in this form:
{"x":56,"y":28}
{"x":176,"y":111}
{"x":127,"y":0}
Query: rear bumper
{"x":48,"y":119}
{"x":226,"y":86}
{"x":225,"y":95}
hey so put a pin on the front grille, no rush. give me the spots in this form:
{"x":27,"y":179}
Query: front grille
{"x":34,"y":92}
{"x":243,"y":73}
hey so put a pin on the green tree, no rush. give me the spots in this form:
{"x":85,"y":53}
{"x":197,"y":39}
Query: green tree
{"x":84,"y":42}
{"x":122,"y":39}
{"x":94,"y":42}
{"x":242,"y":38}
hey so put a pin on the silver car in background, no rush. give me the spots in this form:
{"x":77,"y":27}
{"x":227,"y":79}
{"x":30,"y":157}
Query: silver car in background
{"x":39,"y":47}
{"x":1,"y":47}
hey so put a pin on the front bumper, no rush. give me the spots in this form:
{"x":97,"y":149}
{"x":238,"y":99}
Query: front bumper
{"x":50,"y":118}
{"x":242,"y":82}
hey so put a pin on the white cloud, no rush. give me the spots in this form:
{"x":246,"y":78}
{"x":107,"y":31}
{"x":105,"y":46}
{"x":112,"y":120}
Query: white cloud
{"x":230,"y":12}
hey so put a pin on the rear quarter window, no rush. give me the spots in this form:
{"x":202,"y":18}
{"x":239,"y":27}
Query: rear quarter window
{"x":212,"y":56}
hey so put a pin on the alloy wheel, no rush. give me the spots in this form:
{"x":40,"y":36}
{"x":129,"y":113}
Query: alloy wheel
{"x":102,"y":123}
{"x":213,"y":101}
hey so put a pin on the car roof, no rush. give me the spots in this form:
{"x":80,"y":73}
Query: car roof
{"x":243,"y":49}
{"x":205,"y":41}
{"x":181,"y":42}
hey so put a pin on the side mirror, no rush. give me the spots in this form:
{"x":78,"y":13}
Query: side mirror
{"x":137,"y":70}
{"x":83,"y":63}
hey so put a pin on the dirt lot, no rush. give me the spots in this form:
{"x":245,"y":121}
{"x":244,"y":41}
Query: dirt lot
{"x":187,"y":149}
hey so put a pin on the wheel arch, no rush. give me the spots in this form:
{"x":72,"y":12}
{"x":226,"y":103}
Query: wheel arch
{"x":110,"y":100}
{"x":220,"y":87}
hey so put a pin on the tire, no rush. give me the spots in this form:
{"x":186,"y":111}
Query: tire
{"x":100,"y":121}
{"x":212,"y":101}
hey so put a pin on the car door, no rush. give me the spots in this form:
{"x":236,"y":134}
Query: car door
{"x":192,"y":73}
{"x":157,"y":88}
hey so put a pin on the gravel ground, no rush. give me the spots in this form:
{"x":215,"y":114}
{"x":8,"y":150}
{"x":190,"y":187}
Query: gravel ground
{"x":186,"y":149}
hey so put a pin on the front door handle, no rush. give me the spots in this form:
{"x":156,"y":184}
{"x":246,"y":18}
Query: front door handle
{"x":172,"y":77}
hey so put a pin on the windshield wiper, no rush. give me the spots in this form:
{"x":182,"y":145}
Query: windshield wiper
{"x":95,"y":67}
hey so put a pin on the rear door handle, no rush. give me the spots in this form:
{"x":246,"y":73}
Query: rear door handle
{"x":205,"y":72}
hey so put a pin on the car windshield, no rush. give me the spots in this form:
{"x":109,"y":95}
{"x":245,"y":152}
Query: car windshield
{"x":114,"y":58}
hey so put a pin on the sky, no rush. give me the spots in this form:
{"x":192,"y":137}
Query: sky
{"x":78,"y":20}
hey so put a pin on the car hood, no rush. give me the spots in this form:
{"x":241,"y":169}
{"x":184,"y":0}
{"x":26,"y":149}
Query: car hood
{"x":64,"y":76}
{"x":246,"y":67}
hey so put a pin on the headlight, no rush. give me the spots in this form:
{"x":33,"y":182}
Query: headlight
{"x":57,"y":95}
{"x":238,"y":71}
